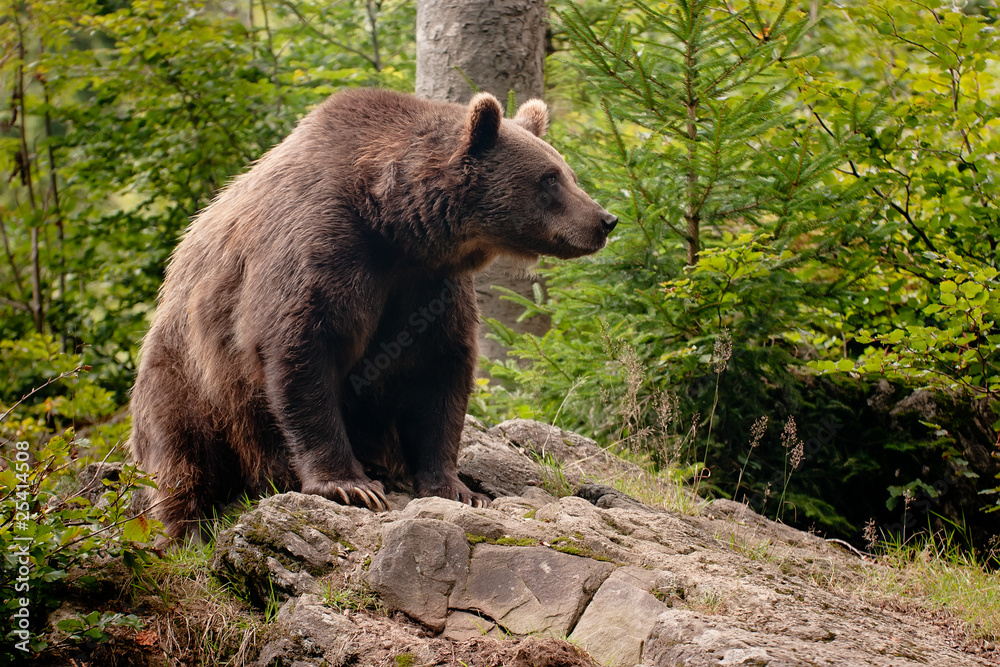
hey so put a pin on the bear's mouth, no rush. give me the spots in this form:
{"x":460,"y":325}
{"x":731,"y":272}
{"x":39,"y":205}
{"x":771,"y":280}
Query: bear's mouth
{"x":557,"y":245}
{"x":565,"y":248}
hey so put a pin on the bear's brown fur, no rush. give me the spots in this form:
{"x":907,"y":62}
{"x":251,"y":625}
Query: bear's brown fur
{"x":317,"y":325}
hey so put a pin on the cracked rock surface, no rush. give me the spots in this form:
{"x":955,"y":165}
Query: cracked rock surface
{"x":435,"y":582}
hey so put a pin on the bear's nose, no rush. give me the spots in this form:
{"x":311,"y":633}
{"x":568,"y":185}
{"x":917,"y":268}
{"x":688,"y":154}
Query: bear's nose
{"x":608,"y":222}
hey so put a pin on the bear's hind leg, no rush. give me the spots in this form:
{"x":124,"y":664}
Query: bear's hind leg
{"x":182,"y":511}
{"x":194,"y":473}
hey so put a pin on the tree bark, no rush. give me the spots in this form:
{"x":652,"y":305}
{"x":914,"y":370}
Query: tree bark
{"x":498,"y":46}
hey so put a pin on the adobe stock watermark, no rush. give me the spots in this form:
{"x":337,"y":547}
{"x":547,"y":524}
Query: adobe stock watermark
{"x":417,"y":323}
{"x":20,"y":546}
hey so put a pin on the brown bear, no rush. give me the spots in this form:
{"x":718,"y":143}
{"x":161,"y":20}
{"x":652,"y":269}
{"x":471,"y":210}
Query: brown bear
{"x":316,"y":330}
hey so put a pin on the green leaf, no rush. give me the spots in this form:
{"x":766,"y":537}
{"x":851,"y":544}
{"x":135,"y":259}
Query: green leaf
{"x":894,"y":336}
{"x":137,"y":529}
{"x":845,"y":365}
{"x":971,"y":289}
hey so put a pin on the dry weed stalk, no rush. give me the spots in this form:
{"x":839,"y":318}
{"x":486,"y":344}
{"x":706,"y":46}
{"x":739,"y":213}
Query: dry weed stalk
{"x":756,"y":433}
{"x":871,"y":535}
{"x":794,"y":453}
{"x":634,"y":434}
{"x":722,"y":352}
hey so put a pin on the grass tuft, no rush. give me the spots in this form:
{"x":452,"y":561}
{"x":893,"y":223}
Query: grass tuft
{"x":196,"y":619}
{"x":936,"y":572}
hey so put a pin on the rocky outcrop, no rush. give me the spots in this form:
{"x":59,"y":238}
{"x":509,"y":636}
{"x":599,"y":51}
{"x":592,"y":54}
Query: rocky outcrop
{"x":436,"y":582}
{"x":418,"y":567}
{"x":283,"y":546}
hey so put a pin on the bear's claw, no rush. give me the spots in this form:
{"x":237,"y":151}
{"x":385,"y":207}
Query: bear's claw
{"x":453,"y":490}
{"x":374,"y":499}
{"x":478,"y":501}
{"x":354,"y":494}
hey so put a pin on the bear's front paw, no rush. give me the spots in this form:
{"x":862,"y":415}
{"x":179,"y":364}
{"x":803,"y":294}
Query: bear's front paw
{"x":365,"y":492}
{"x":454,"y":490}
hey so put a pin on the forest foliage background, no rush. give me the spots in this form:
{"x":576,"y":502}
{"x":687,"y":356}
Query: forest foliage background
{"x":810,"y":216}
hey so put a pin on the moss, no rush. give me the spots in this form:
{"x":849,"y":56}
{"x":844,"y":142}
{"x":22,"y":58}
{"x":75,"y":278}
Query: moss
{"x":474,"y":539}
{"x":304,"y":519}
{"x":269,"y":542}
{"x":570,"y":545}
{"x":405,"y":660}
{"x":516,"y":542}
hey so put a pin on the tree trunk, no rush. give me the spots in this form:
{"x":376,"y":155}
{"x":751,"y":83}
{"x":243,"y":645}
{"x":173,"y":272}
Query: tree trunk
{"x":498,"y":46}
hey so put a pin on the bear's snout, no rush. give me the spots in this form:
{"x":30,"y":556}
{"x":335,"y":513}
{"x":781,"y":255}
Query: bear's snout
{"x":608,"y":222}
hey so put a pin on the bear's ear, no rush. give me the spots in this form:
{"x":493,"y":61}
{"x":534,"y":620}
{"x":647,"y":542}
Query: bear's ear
{"x":533,"y":116}
{"x":482,"y":124}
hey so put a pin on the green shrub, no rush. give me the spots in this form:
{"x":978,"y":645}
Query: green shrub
{"x":53,"y":532}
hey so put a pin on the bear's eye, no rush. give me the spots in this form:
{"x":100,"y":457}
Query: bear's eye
{"x":548,"y":192}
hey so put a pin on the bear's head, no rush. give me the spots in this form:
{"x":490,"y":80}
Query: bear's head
{"x":528,"y":202}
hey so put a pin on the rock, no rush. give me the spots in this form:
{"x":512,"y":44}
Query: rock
{"x":636,"y":537}
{"x":536,"y":497}
{"x":921,"y":403}
{"x":489,"y":463}
{"x":739,"y":514}
{"x":309,"y":630}
{"x":92,"y":478}
{"x":462,"y":625}
{"x":418,"y":566}
{"x":306,"y":633}
{"x":583,"y":459}
{"x":619,"y":619}
{"x":488,"y":523}
{"x":608,"y":497}
{"x":529,"y":590}
{"x":684,"y":637}
{"x":281,"y":546}
{"x":631,"y":584}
